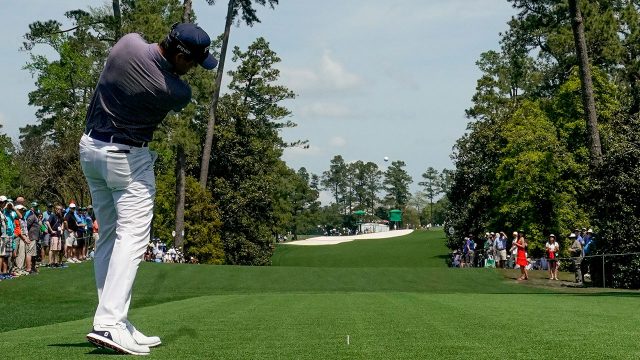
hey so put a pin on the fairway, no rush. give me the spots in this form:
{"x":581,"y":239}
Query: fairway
{"x":393,"y":298}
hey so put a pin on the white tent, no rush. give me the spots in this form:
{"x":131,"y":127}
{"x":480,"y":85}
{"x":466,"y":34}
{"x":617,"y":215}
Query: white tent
{"x":367,"y":228}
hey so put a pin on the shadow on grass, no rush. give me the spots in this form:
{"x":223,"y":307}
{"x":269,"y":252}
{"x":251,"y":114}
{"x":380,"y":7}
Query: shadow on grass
{"x":94,"y":350}
{"x":84,"y":344}
{"x":182,"y":332}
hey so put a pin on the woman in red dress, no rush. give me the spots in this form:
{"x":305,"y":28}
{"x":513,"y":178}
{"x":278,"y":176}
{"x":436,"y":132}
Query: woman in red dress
{"x":521,"y":259}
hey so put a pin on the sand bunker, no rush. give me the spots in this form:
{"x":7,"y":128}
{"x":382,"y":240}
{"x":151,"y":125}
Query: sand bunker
{"x":332,"y":240}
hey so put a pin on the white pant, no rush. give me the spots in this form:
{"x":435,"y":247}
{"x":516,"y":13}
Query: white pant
{"x":122,"y":188}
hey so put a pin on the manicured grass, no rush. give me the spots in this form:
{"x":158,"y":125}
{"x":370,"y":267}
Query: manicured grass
{"x":418,"y":249}
{"x":305,"y":309}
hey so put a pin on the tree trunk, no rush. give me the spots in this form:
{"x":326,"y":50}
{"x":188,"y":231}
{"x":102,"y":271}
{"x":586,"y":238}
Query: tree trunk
{"x":431,"y":212}
{"x":206,"y":152}
{"x":117,"y":17}
{"x":180,"y":195}
{"x":178,"y":240}
{"x":588,"y":100}
{"x":186,"y":11}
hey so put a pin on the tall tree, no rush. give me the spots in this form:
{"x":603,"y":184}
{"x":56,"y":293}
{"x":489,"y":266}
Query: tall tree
{"x":396,"y":183}
{"x":249,"y":16}
{"x":367,"y":178}
{"x":335,"y":179}
{"x":248,"y":172}
{"x":432,"y":188}
{"x":577,"y":25}
{"x":181,"y":159}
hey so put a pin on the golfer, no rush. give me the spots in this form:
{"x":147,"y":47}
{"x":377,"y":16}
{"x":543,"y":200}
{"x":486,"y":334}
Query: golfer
{"x":139,"y":85}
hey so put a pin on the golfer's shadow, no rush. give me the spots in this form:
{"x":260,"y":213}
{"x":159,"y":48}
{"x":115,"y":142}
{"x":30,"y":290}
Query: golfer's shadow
{"x":94,"y":350}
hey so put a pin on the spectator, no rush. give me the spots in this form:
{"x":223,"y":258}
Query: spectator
{"x":501,"y":249}
{"x":33,"y":232}
{"x":552,"y":248}
{"x":489,"y":247}
{"x":589,"y":242}
{"x":55,"y":224}
{"x":6,"y":239}
{"x":513,"y":250}
{"x":456,"y":259}
{"x":579,"y":236}
{"x":469,"y":247}
{"x":173,"y":254}
{"x":25,"y":247}
{"x":521,"y":259}
{"x":577,"y":253}
{"x":46,"y":240}
{"x":11,"y":216}
{"x":71,"y":242}
{"x":81,"y":238}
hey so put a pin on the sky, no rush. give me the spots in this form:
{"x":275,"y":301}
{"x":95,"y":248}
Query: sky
{"x":373,"y":78}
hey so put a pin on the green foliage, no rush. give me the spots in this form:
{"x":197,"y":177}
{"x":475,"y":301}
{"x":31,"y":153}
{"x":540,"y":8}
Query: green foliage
{"x":525,"y":160}
{"x":9,"y":174}
{"x":335,"y":179}
{"x":297,"y":202}
{"x":245,"y":9}
{"x":202,"y":219}
{"x":396,"y":184}
{"x":247,"y":173}
{"x":616,"y":202}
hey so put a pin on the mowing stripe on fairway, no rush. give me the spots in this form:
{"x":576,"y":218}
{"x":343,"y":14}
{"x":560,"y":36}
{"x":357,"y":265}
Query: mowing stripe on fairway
{"x":380,"y":326}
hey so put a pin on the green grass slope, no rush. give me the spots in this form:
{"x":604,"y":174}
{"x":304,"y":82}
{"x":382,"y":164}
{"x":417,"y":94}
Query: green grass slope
{"x":393,"y":298}
{"x":418,"y":249}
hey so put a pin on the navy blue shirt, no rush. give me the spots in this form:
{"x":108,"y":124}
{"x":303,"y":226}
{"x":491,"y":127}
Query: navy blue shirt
{"x":136,"y":91}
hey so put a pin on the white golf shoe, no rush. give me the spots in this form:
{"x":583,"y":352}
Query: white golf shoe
{"x":141,"y":338}
{"x":118,"y":338}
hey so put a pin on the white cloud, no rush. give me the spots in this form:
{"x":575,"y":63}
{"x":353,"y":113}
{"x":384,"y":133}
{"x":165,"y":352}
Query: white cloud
{"x":337,"y":141}
{"x":335,"y":75}
{"x":323,"y":110}
{"x":325,"y":197}
{"x":327,"y":75}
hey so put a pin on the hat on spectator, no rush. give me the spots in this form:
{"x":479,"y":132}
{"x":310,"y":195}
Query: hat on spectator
{"x":572,"y":235}
{"x":20,"y":207}
{"x":82,"y":208}
{"x":89,"y":207}
{"x":34,"y":204}
{"x":552,"y":236}
{"x":3,"y":198}
{"x":72,"y":206}
{"x":49,"y":205}
{"x":590,"y":231}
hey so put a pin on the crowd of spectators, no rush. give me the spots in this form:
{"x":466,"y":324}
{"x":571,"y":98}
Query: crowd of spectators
{"x":33,"y":237}
{"x":158,"y":252}
{"x":497,"y":250}
{"x":56,"y":235}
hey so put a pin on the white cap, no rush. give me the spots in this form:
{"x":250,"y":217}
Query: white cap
{"x":72,"y":206}
{"x":3,"y":198}
{"x":20,"y":207}
{"x":589,"y":231}
{"x":572,"y":235}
